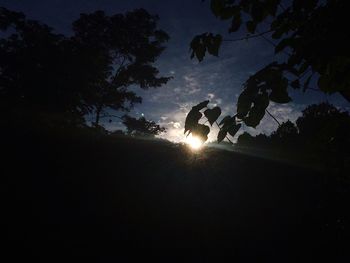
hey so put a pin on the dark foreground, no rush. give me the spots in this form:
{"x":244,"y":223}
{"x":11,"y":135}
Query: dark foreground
{"x":103,"y":200}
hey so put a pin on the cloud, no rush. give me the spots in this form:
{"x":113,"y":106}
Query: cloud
{"x":282,"y":112}
{"x":210,"y":96}
{"x":191,"y":84}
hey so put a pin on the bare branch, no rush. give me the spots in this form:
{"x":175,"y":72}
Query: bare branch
{"x":247,"y":37}
{"x":273,"y":117}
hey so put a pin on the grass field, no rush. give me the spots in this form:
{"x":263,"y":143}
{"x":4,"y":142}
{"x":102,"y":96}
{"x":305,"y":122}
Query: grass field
{"x":68,"y":197}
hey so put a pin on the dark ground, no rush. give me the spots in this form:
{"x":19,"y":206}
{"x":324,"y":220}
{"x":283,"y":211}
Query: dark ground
{"x":105,"y":199}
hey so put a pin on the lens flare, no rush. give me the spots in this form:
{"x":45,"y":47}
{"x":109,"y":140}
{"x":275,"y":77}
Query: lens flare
{"x":194,"y":142}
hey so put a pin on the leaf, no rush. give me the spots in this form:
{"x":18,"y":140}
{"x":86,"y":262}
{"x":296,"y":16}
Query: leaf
{"x":201,"y":105}
{"x":295,"y":84}
{"x":254,"y":117}
{"x":233,"y":130}
{"x":272,"y":6}
{"x":213,"y":44}
{"x":212,"y":114}
{"x":197,"y":47}
{"x":303,"y":67}
{"x":306,"y":84}
{"x":201,"y":131}
{"x":279,"y":92}
{"x":244,"y":103}
{"x":280,"y":96}
{"x":236,"y":23}
{"x":216,"y":7}
{"x":257,"y":112}
{"x":221,"y":135}
{"x":200,"y":44}
{"x":251,"y":26}
{"x":324,"y":83}
{"x":227,"y":118}
{"x":283,"y":44}
{"x":229,"y":123}
{"x":222,"y":9}
{"x":278,"y":33}
{"x":192,"y":120}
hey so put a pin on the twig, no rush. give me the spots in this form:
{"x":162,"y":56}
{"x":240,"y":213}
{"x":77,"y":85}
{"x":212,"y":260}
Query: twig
{"x":113,"y":116}
{"x":279,"y":124}
{"x":247,"y":37}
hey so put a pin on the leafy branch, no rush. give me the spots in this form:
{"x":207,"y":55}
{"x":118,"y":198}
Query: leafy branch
{"x":228,"y":125}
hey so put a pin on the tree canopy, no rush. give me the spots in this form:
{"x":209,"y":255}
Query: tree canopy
{"x":141,"y":127}
{"x":70,"y":76}
{"x":307,"y":32}
{"x":322,"y":131}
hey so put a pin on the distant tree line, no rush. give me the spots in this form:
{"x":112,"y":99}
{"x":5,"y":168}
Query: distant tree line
{"x":139,"y":127}
{"x":321,"y":130}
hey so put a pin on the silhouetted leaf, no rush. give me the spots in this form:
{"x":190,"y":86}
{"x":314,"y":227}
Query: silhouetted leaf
{"x":216,"y":7}
{"x":279,"y":92}
{"x":244,"y":103}
{"x":307,"y":83}
{"x":229,"y":123}
{"x":236,"y":23}
{"x":280,"y":96}
{"x":201,"y":131}
{"x":283,"y":44}
{"x":227,"y":118}
{"x":221,"y":135}
{"x":303,"y":67}
{"x":201,"y":105}
{"x":198,"y":48}
{"x":251,"y":26}
{"x":213,"y":44}
{"x":295,"y":84}
{"x":192,"y":120}
{"x":212,"y":114}
{"x":234,"y":129}
{"x":324,"y":83}
{"x":200,"y":44}
{"x":257,"y":112}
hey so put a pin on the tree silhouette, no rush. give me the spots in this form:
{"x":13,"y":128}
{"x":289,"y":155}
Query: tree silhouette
{"x":322,"y":131}
{"x":125,"y":48}
{"x":305,"y":31}
{"x":44,"y":74}
{"x":286,"y":131}
{"x":141,"y":127}
{"x":326,"y":129}
{"x":324,"y":117}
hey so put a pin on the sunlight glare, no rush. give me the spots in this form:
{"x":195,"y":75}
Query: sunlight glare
{"x":194,"y":142}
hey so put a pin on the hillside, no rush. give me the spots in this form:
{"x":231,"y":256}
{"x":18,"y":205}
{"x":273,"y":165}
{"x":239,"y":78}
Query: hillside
{"x":97,"y":197}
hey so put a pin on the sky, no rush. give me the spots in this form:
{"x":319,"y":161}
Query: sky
{"x":218,"y":79}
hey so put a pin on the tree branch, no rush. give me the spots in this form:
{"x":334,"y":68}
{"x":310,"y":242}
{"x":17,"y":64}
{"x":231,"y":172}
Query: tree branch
{"x":247,"y":37}
{"x":113,"y":116}
{"x":279,"y":124}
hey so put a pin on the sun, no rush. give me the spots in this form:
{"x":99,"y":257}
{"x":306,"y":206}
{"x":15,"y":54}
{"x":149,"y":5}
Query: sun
{"x":194,"y":142}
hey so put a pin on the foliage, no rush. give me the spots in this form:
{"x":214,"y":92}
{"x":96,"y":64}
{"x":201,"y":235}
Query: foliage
{"x":321,"y":131}
{"x":306,"y":31}
{"x":141,"y":126}
{"x":70,"y":76}
{"x":227,"y":125}
{"x":286,"y":130}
